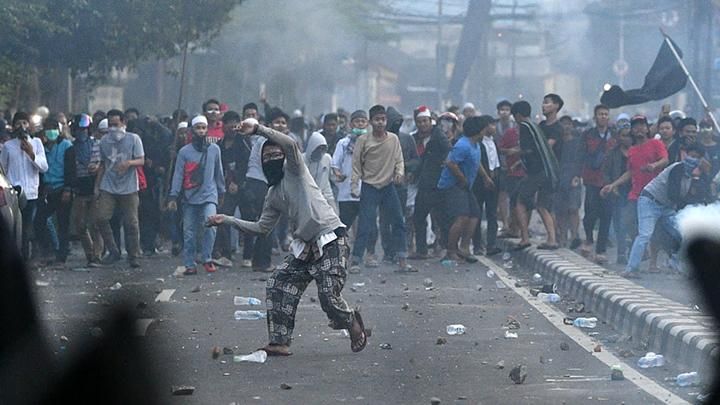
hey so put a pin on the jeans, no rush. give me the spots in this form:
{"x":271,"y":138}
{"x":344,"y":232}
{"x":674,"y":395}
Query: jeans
{"x":488,"y":201}
{"x":194,"y":218}
{"x":648,"y":212}
{"x":619,"y":221}
{"x":428,"y":201}
{"x":223,"y":245}
{"x":370,"y":199}
{"x":597,"y":209}
{"x":256,"y":247}
{"x":349,"y":211}
{"x":128,"y":206}
{"x":386,"y":224}
{"x":28,"y":219}
{"x":53,"y":205}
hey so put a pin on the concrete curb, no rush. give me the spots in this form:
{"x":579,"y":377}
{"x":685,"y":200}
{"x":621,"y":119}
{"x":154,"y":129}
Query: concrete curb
{"x":684,"y":336}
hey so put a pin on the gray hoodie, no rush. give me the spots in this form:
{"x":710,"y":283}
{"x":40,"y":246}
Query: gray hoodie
{"x":320,"y":168}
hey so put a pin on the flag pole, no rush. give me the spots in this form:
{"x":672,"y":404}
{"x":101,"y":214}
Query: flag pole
{"x":692,"y":81}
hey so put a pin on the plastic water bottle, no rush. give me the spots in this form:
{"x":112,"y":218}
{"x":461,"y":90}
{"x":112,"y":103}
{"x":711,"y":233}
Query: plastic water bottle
{"x":506,"y":256}
{"x":687,"y":379}
{"x":651,"y":360}
{"x":490,"y":273}
{"x":545,"y":297}
{"x":249,"y":315}
{"x":247,"y":301}
{"x":255,"y":357}
{"x":537,"y":278}
{"x":456,"y":329}
{"x":588,"y":323}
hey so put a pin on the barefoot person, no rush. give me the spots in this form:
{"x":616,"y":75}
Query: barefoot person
{"x":319,"y":251}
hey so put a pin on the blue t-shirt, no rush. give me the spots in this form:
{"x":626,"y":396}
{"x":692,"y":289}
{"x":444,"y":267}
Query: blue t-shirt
{"x":467,"y":156}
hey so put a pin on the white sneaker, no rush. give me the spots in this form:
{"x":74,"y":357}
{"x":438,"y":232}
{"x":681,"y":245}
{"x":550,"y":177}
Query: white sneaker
{"x":247,"y":263}
{"x":223,"y":262}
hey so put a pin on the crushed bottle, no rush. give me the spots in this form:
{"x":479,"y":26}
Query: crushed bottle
{"x":545,"y":297}
{"x":249,"y":315}
{"x":651,"y":360}
{"x":687,"y":379}
{"x":246,"y":301}
{"x":587,"y":323}
{"x":456,"y":329}
{"x":255,"y":357}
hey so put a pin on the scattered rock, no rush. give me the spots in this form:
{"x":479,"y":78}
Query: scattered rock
{"x":462,"y":398}
{"x":478,"y":287}
{"x":434,"y":401}
{"x":228,"y":350}
{"x":542,"y":360}
{"x":313,"y":299}
{"x":500,"y":365}
{"x":518,"y":374}
{"x":597,"y":348}
{"x":405,"y":306}
{"x":141,"y":305}
{"x":417,"y":376}
{"x":386,"y":346}
{"x":353,"y":289}
{"x":64,"y":339}
{"x":625,"y":353}
{"x":512,"y":323}
{"x":96,"y":332}
{"x":440,"y":341}
{"x":183,"y":390}
{"x":517,"y":284}
{"x":564,"y":346}
{"x":195,"y":289}
{"x":284,"y":386}
{"x":215,"y":352}
{"x":427,"y":282}
{"x":116,"y":287}
{"x":616,"y":374}
{"x":383,"y":281}
{"x":579,"y":307}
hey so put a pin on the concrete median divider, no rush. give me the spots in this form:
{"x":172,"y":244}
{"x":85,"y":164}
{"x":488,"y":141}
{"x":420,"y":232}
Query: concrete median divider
{"x":684,"y":335}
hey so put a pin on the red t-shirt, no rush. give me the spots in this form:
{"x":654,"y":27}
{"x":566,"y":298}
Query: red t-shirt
{"x":215,"y":133}
{"x":638,"y":157}
{"x":511,"y":139}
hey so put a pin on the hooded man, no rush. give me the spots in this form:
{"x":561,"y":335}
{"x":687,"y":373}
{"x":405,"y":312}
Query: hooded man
{"x":199,"y":176}
{"x":23,"y":159}
{"x":117,"y":185}
{"x":319,"y":250}
{"x":84,"y":159}
{"x":318,"y":162}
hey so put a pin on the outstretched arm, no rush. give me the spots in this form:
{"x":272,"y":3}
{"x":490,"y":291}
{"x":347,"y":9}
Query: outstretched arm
{"x":263,"y":226}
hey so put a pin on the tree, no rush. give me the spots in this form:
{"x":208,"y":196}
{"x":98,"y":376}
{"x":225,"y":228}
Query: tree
{"x":93,"y":37}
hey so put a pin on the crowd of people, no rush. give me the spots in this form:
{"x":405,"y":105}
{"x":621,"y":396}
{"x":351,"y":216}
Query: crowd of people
{"x":421,"y":187}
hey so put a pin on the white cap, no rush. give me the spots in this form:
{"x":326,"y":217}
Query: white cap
{"x":103,"y":124}
{"x":468,"y":105}
{"x":182,"y":124}
{"x":199,"y":119}
{"x":622,"y":116}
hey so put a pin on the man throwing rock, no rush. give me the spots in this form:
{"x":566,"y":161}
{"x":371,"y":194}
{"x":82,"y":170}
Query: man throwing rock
{"x":319,"y":250}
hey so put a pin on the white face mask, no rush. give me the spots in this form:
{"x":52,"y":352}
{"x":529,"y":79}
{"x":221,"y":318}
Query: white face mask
{"x":117,"y":133}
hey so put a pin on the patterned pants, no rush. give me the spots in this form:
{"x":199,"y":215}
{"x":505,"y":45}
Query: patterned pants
{"x":289,"y":281}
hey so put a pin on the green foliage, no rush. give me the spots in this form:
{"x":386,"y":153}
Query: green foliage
{"x":96,"y":36}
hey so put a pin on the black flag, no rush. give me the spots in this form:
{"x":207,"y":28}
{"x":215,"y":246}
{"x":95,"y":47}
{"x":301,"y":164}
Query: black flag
{"x":665,"y":78}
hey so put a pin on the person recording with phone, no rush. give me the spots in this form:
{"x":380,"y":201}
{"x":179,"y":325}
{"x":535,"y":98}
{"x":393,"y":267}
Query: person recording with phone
{"x":22,"y":160}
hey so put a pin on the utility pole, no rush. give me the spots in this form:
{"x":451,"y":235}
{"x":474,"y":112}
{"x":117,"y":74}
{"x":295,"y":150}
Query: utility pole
{"x":439,"y":59}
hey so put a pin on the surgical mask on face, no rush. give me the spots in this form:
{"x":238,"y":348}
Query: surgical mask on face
{"x":691,"y":164}
{"x":117,"y":133}
{"x":359,"y":131}
{"x":52,"y":134}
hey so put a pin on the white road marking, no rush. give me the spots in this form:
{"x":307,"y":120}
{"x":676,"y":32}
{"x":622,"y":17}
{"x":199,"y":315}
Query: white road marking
{"x":585,"y":342}
{"x":142,"y":325}
{"x":164,"y":295}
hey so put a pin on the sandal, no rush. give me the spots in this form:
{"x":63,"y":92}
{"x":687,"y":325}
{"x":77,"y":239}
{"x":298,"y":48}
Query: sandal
{"x":467,"y":257}
{"x":358,"y":344}
{"x":547,"y":246}
{"x":522,"y":246}
{"x":275,"y":353}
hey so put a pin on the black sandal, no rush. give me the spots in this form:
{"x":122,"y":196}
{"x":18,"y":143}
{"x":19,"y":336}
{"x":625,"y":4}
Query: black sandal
{"x":522,"y":246}
{"x":363,"y":336}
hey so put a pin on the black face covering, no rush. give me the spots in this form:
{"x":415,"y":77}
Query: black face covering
{"x":198,"y":142}
{"x":273,"y":170}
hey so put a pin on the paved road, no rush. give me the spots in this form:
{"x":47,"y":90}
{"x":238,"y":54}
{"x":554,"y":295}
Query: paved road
{"x":183,"y":326}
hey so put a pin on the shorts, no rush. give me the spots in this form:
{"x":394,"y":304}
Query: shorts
{"x":459,"y":202}
{"x":568,"y":199}
{"x":511,"y":185}
{"x":535,"y":191}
